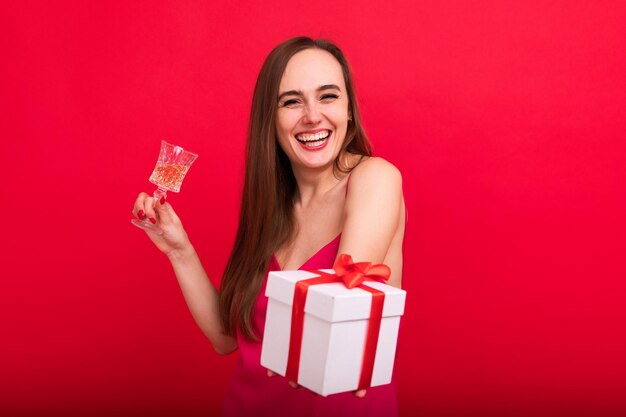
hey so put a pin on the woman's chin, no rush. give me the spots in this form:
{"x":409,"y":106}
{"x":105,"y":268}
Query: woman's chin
{"x":314,"y":159}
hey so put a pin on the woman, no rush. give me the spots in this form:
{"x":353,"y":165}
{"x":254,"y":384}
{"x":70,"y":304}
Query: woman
{"x":305,"y":145}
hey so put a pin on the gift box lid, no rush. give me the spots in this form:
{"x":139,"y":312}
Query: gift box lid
{"x":334,"y":302}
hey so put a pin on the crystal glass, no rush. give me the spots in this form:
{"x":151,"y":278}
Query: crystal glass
{"x":168,"y":175}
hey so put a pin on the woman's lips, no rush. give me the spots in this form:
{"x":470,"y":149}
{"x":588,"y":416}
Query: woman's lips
{"x":314,"y":142}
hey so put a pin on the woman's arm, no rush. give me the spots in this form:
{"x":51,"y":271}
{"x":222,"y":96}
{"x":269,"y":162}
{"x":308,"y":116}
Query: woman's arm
{"x":374,"y":211}
{"x":374,"y":214}
{"x":200,"y":294}
{"x":201,"y":297}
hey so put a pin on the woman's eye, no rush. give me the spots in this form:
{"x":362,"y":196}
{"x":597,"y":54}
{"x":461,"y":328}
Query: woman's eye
{"x":329,"y":97}
{"x":290,"y":103}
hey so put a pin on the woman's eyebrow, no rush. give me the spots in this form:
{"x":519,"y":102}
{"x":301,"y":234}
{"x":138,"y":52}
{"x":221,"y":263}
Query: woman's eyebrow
{"x":289,"y":93}
{"x":329,"y":87}
{"x":299,"y":93}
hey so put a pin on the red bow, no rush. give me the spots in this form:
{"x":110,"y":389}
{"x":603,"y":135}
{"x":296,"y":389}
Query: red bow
{"x":353,"y":274}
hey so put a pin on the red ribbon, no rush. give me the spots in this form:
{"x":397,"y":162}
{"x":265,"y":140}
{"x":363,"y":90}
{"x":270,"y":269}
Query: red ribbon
{"x":352,"y":275}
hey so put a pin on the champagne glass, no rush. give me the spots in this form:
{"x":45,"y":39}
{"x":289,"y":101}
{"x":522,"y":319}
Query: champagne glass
{"x":168,"y":175}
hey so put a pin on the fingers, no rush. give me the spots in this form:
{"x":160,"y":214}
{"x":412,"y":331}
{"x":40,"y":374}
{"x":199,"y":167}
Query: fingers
{"x":144,"y":208}
{"x":295,"y":385}
{"x":291,"y":383}
{"x":165,"y":213}
{"x":139,"y":209}
{"x":358,"y":393}
{"x":147,"y":207}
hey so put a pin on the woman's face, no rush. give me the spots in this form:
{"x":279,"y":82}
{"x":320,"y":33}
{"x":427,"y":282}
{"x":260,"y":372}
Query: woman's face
{"x":312,"y":115}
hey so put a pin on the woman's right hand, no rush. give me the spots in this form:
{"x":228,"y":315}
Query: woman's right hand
{"x":173,"y":238}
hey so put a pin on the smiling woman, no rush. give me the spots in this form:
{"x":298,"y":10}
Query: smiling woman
{"x":305,"y":143}
{"x":313,"y":109}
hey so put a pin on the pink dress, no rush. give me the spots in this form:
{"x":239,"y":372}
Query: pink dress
{"x":253,"y":393}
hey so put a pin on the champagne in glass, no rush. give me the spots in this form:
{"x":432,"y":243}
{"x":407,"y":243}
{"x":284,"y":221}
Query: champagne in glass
{"x":169,"y":176}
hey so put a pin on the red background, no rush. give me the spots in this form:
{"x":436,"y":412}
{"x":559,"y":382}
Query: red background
{"x":506,"y":118}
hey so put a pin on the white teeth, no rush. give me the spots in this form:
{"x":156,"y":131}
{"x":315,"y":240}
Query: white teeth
{"x":315,"y":137}
{"x":314,"y":144}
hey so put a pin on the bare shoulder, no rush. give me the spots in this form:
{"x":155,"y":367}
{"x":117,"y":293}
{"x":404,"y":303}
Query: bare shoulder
{"x":375,"y":175}
{"x":374,"y":191}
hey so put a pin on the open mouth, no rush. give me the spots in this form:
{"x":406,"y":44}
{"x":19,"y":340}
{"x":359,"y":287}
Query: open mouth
{"x":313,"y":140}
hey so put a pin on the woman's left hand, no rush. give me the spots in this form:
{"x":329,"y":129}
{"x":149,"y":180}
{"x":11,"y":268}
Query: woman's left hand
{"x":358,"y":393}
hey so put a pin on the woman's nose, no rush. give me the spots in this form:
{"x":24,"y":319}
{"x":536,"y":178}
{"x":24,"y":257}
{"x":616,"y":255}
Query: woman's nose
{"x":311,"y":114}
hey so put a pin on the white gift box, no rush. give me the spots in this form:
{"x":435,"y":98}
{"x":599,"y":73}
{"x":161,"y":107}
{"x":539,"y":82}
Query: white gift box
{"x":334,"y":333}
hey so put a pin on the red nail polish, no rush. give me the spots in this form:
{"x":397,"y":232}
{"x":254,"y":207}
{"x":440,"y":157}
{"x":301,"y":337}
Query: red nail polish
{"x":162,"y":200}
{"x":153,"y":220}
{"x":141,"y":214}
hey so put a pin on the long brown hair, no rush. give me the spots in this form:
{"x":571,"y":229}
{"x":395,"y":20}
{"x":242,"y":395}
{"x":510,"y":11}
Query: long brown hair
{"x":266,"y":219}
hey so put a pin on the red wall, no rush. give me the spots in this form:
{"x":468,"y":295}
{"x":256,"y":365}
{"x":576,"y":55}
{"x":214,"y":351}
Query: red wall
{"x":507,"y":120}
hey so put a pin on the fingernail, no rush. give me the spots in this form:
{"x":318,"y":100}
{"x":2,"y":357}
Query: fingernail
{"x":162,"y":201}
{"x":141,"y":214}
{"x":153,"y":220}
